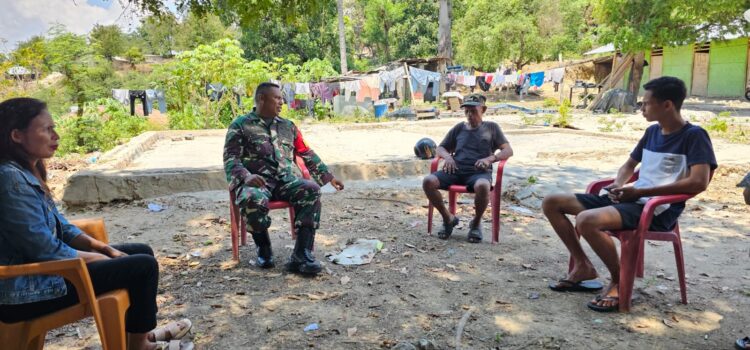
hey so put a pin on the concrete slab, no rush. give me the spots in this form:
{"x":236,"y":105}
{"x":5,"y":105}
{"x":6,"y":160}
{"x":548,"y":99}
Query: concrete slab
{"x":161,"y":163}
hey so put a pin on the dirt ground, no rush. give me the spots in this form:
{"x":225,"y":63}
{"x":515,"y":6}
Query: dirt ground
{"x":419,"y":287}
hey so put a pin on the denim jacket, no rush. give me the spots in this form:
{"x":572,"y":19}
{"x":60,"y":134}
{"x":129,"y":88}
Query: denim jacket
{"x":31,"y":230}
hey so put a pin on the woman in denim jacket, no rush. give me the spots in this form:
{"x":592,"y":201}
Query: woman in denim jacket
{"x":32,"y":230}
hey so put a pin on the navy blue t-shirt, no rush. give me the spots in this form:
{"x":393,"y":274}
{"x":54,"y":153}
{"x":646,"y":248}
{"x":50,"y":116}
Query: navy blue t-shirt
{"x":470,"y":145}
{"x":667,"y":158}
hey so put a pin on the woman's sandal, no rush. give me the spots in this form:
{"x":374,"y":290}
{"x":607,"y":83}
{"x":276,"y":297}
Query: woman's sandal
{"x":174,"y":345}
{"x":172,"y":330}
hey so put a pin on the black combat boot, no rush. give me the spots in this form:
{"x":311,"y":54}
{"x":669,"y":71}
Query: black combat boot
{"x":302,"y":260}
{"x":263,"y":248}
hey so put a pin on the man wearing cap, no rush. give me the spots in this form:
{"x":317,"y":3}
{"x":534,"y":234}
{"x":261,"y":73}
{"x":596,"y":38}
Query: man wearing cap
{"x":468,"y":150}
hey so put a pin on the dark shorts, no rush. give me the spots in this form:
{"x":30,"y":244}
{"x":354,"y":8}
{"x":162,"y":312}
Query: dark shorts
{"x":631,"y":212}
{"x":464,"y":179}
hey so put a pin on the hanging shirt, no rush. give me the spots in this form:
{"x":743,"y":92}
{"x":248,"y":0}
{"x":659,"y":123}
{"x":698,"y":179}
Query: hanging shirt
{"x":388,"y":79}
{"x":536,"y":79}
{"x":470,"y":80}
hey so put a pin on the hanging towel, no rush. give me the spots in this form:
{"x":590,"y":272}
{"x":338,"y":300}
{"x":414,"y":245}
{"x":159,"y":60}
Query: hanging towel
{"x":470,"y":80}
{"x":557,"y":75}
{"x":420,"y":78}
{"x":322,"y":91}
{"x":302,"y":89}
{"x":122,"y":95}
{"x":389,"y":78}
{"x":287,"y":92}
{"x":349,"y":86}
{"x":536,"y":79}
{"x":499,"y":80}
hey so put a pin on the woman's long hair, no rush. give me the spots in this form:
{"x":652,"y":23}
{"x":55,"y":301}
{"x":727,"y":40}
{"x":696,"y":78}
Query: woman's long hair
{"x":17,"y":113}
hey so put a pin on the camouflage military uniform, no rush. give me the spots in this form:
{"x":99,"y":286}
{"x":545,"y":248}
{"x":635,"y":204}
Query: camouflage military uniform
{"x":252,"y":147}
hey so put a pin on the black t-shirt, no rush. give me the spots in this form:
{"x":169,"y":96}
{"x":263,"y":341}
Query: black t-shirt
{"x":470,"y":145}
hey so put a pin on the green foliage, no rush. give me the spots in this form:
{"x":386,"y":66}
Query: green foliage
{"x":610,"y":124}
{"x":31,"y":54}
{"x":550,"y":102}
{"x":134,"y":55}
{"x":717,"y":124}
{"x":158,"y":33}
{"x":532,"y":179}
{"x":107,"y":41}
{"x":104,"y":124}
{"x":564,"y":118}
{"x":380,"y":18}
{"x":531,"y":30}
{"x":639,"y":25}
{"x":198,"y":30}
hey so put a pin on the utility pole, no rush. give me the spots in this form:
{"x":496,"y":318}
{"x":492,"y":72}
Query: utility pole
{"x":342,"y":37}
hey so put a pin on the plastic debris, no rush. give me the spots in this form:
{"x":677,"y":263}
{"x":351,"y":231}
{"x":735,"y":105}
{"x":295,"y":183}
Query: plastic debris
{"x":360,"y":253}
{"x":155,"y":208}
{"x":312,"y":327}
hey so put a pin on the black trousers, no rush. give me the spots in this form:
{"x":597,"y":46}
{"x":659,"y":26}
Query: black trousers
{"x":138,"y":273}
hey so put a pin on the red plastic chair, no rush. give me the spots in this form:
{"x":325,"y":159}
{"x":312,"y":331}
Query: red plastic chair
{"x":238,"y":221}
{"x":632,"y":244}
{"x":454,"y":190}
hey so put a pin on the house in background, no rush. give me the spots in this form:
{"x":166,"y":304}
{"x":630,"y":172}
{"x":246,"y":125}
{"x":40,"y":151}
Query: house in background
{"x":718,"y":68}
{"x":20,"y":73}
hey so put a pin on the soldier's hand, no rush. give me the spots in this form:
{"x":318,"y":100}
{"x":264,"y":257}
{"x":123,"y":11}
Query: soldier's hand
{"x":337,"y":184}
{"x":255,"y":181}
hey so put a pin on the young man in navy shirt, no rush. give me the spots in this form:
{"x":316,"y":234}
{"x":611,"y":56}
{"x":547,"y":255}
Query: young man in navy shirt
{"x":676,"y":158}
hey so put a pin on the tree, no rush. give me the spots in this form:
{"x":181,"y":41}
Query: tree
{"x":134,"y":55}
{"x":380,"y":17}
{"x":88,"y":76}
{"x":198,"y":30}
{"x":158,"y":32}
{"x":416,"y":34}
{"x":638,"y":25}
{"x":314,"y":36}
{"x":108,"y":41}
{"x":31,"y":54}
{"x":512,"y":34}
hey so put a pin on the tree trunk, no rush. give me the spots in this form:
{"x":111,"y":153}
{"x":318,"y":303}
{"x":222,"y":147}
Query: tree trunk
{"x":342,"y":37}
{"x":445,"y":44}
{"x":636,"y":73}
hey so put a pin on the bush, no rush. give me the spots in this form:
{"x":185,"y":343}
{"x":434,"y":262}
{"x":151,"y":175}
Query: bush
{"x":550,"y":102}
{"x":104,"y":124}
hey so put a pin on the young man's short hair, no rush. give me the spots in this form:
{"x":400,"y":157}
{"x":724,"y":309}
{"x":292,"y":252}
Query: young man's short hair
{"x":668,"y":88}
{"x":263,"y":88}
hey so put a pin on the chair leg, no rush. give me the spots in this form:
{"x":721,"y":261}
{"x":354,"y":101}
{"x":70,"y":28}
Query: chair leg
{"x":452,"y":199}
{"x":430,"y":210}
{"x":113,"y":309}
{"x":37,"y":343}
{"x":291,"y":221}
{"x":641,"y":256}
{"x":243,"y":229}
{"x":628,"y":267}
{"x":680,"y":269}
{"x":235,"y":232}
{"x":495,"y":216}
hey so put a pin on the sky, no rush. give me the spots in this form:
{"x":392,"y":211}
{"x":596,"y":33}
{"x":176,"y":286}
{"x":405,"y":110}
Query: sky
{"x":22,"y":19}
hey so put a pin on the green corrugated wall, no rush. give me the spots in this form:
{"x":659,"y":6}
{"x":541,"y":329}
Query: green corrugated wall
{"x":727,"y":65}
{"x":678,"y":62}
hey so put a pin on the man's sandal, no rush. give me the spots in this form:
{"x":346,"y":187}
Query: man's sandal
{"x":447,"y":229}
{"x":172,"y":330}
{"x":594,"y":305}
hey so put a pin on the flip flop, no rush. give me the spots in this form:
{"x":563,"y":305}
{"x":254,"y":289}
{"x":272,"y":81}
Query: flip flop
{"x":582,"y":286}
{"x":447,"y":229}
{"x":597,"y":308}
{"x":174,"y":345}
{"x":172,"y":330}
{"x":475,"y":235}
{"x":742,"y":343}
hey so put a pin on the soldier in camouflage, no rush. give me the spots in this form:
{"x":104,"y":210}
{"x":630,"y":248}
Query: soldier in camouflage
{"x":259,"y":161}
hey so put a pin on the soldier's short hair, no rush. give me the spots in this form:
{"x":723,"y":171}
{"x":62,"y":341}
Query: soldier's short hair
{"x":263,"y":88}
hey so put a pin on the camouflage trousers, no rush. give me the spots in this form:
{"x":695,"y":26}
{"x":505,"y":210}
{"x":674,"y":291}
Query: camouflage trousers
{"x":303,"y":195}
